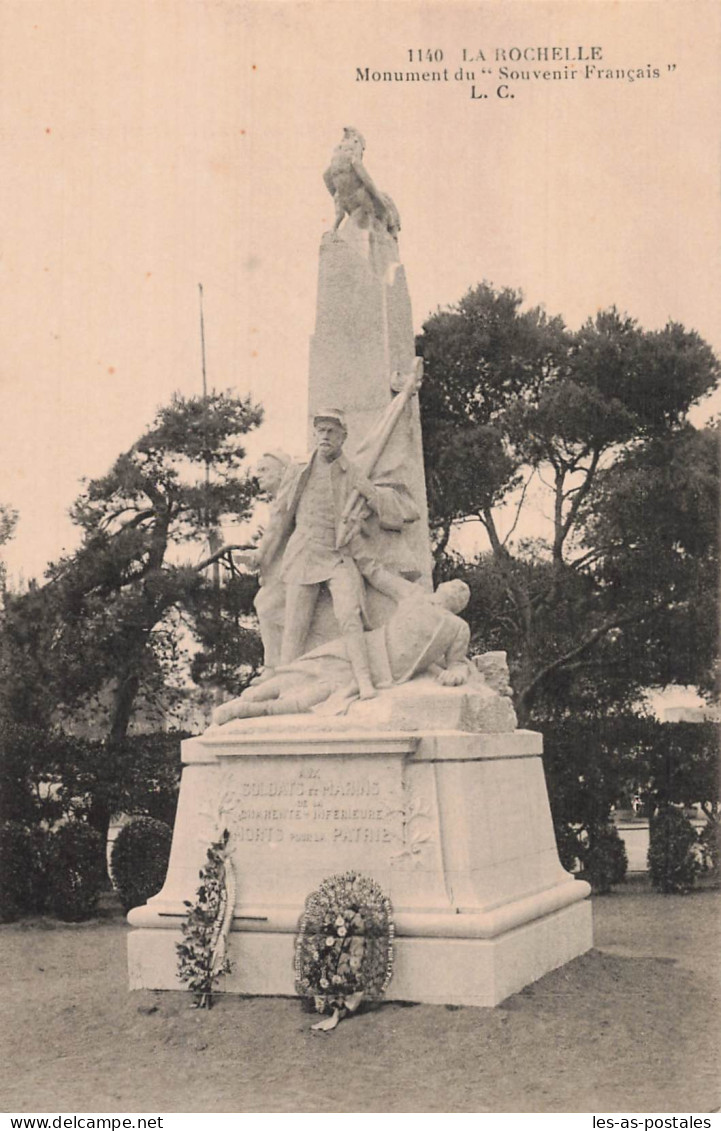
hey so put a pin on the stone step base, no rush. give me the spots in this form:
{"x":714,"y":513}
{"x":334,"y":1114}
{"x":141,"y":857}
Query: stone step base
{"x":436,"y":971}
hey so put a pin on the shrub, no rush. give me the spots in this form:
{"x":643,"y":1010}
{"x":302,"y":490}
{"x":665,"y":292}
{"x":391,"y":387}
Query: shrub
{"x":22,"y":872}
{"x":597,"y":849}
{"x":28,"y":781}
{"x":672,"y":859}
{"x":76,"y":871}
{"x":605,"y":862}
{"x":139,"y":860}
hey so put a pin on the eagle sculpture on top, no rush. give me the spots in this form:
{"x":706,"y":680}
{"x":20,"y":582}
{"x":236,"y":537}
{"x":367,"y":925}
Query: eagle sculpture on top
{"x":353,"y":190}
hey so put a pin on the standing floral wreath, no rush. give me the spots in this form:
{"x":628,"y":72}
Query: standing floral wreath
{"x":344,"y":948}
{"x":202,"y":954}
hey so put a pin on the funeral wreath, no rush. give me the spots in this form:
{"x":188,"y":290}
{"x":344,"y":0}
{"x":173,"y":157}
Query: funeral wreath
{"x":202,"y":955}
{"x":344,"y":948}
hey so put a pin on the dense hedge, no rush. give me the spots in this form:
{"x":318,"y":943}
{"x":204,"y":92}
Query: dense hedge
{"x":139,"y":860}
{"x":605,"y":861}
{"x":23,"y":876}
{"x":597,"y":850}
{"x":47,"y":776}
{"x":51,"y":780}
{"x":76,"y":873}
{"x":593,"y":764}
{"x":673,"y":858}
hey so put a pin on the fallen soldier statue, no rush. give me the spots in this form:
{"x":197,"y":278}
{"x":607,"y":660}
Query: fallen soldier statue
{"x":423,"y":635}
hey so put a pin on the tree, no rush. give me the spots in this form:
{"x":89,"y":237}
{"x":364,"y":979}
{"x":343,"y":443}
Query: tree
{"x":651,"y":530}
{"x":231,"y":651}
{"x":105,"y":627}
{"x":8,"y":522}
{"x":593,"y":763}
{"x":677,"y":764}
{"x":512,"y":403}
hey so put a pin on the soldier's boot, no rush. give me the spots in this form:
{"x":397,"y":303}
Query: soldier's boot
{"x":358,"y":656}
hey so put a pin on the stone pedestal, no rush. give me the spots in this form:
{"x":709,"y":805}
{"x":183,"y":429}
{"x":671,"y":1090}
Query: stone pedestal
{"x":454,"y":824}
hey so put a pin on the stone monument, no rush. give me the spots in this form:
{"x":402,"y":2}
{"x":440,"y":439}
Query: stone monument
{"x":372,"y":743}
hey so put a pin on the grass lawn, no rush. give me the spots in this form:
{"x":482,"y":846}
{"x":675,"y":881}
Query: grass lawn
{"x":631,"y":1026}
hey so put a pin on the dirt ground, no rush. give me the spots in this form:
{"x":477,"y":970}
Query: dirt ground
{"x":631,"y":1026}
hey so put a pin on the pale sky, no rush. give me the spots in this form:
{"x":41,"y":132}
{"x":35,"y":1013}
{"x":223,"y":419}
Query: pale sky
{"x":149,"y":146}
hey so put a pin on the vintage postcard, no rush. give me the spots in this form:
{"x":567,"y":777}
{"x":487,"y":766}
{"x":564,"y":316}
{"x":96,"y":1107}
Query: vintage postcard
{"x":271,"y":199}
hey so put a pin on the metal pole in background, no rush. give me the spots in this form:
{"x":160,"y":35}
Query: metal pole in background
{"x":214,"y":539}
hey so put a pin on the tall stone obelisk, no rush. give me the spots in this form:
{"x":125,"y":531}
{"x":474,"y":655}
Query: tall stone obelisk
{"x":363,"y":337}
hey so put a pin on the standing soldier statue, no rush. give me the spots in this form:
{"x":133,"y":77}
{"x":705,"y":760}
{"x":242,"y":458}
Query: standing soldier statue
{"x":318,"y":528}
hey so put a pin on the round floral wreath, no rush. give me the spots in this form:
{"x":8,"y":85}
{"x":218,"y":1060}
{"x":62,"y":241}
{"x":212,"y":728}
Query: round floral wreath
{"x":344,"y":948}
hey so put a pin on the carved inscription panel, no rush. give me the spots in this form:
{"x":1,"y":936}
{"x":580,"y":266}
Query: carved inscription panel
{"x":294,"y":821}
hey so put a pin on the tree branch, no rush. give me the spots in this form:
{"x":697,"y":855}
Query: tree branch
{"x":517,"y":595}
{"x":138,"y":517}
{"x":548,"y":486}
{"x":585,"y":559}
{"x":558,"y":518}
{"x":584,"y":646}
{"x":221,"y":554}
{"x":581,"y":493}
{"x":521,"y":501}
